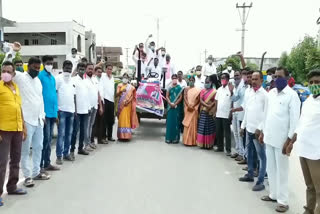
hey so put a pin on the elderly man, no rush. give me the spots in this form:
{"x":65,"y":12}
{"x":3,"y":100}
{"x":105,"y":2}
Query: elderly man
{"x":282,"y":115}
{"x":11,"y":130}
{"x":34,"y":117}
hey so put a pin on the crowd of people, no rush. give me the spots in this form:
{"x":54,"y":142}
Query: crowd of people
{"x":80,"y":101}
{"x":266,"y":122}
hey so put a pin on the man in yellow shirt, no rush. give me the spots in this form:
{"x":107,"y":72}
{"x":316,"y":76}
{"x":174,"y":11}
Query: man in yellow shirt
{"x":12,"y":130}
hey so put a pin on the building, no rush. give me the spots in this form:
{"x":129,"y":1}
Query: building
{"x":48,"y":38}
{"x":110,"y":55}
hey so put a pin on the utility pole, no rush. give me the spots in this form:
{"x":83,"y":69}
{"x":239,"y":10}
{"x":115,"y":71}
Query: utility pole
{"x":318,"y":23}
{"x":158,"y":32}
{"x":205,"y":54}
{"x":127,"y":56}
{"x":1,"y":27}
{"x":243,"y":19}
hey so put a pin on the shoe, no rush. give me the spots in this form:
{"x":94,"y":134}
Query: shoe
{"x":245,"y":168}
{"x":243,"y":162}
{"x":52,"y":168}
{"x":59,"y":161}
{"x":246,"y":178}
{"x":268,"y":199}
{"x":228,"y":154}
{"x":28,"y":182}
{"x":72,"y":156}
{"x":111,"y":139}
{"x":93,"y":146}
{"x":239,"y":158}
{"x":83,"y":152}
{"x":88,"y":148}
{"x":68,"y":158}
{"x":235,"y":155}
{"x":282,"y":208}
{"x":103,"y":141}
{"x":216,"y":149}
{"x":17,"y":192}
{"x":258,"y":187}
{"x":42,"y":177}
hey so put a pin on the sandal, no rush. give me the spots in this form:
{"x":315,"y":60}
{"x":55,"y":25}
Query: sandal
{"x":42,"y":177}
{"x":282,"y":208}
{"x":1,"y":202}
{"x":268,"y":199}
{"x":28,"y":182}
{"x":18,"y":192}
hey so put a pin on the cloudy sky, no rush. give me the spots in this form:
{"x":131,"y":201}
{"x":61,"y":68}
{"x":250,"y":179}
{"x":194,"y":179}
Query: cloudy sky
{"x":187,"y":28}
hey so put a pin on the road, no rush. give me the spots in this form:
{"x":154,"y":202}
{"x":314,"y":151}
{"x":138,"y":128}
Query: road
{"x":147,"y":176}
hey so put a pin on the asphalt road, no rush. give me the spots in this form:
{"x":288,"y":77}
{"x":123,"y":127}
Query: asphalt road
{"x":147,"y":176}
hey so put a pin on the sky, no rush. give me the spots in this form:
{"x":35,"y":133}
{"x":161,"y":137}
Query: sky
{"x":187,"y":28}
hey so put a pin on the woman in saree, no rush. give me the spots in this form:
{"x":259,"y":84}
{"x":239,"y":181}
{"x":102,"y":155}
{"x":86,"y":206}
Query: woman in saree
{"x":191,"y":113}
{"x":174,"y":98}
{"x":207,"y":127}
{"x":127,"y":116}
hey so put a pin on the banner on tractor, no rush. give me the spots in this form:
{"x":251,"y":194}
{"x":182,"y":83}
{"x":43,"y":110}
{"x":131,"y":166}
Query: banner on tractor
{"x":149,"y":98}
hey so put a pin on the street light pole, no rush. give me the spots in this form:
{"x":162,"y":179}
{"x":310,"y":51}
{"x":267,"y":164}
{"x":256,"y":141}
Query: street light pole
{"x":243,"y":19}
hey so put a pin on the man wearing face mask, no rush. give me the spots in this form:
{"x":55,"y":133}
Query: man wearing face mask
{"x":237,"y":96}
{"x":66,"y":105}
{"x":12,"y":131}
{"x":279,"y":124}
{"x":50,"y":99}
{"x":161,"y":55}
{"x":34,"y":118}
{"x":306,"y":141}
{"x":230,"y":71}
{"x":209,"y":68}
{"x":199,"y":79}
{"x":143,"y":57}
{"x":150,"y":50}
{"x":74,"y":58}
{"x":223,"y":103}
{"x":80,"y":122}
{"x":154,"y":70}
{"x":270,"y":78}
{"x":18,"y":64}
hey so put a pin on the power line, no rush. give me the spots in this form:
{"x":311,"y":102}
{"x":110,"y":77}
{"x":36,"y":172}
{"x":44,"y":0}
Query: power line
{"x":243,"y":18}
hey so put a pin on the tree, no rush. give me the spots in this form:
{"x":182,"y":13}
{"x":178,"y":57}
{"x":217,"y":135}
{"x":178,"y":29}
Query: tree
{"x":283,"y":59}
{"x":304,"y":57}
{"x":233,"y":60}
{"x":252,"y":66}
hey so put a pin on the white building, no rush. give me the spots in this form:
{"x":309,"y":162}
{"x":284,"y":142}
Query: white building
{"x":48,"y":38}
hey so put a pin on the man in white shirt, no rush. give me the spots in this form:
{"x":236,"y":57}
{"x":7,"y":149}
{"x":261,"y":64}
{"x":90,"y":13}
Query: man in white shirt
{"x":74,"y":58}
{"x":254,"y":110}
{"x":169,"y":69}
{"x":150,"y":50}
{"x":161,"y":55}
{"x":282,"y":111}
{"x":230,"y":71}
{"x":154,"y":70}
{"x":80,"y":122}
{"x":107,"y":88}
{"x":34,"y":117}
{"x":66,"y":105}
{"x":209,"y":68}
{"x":237,"y":97}
{"x":307,"y":144}
{"x":143,"y":58}
{"x":94,"y":100}
{"x":199,"y":79}
{"x":223,"y":103}
{"x":181,"y":81}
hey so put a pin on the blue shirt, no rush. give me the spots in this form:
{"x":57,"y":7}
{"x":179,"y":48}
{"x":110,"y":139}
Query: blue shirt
{"x":49,"y":94}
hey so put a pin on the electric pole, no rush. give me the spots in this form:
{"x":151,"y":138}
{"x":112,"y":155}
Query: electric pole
{"x":158,"y":30}
{"x":205,"y":54}
{"x":243,"y":19}
{"x":127,"y":56}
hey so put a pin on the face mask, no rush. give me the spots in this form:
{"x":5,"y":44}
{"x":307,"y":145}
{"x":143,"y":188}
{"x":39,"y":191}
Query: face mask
{"x":74,"y":55}
{"x":163,"y":53}
{"x":229,"y":68}
{"x":174,"y":81}
{"x":269,"y":78}
{"x":207,"y":85}
{"x":66,"y":75}
{"x":281,"y":83}
{"x":125,"y":80}
{"x":224,"y":82}
{"x":81,"y":71}
{"x":256,"y":88}
{"x":20,"y":68}
{"x":210,"y":61}
{"x":191,"y":84}
{"x":152,"y":48}
{"x":198,"y":73}
{"x":48,"y":68}
{"x":6,"y":77}
{"x":33,"y":73}
{"x":315,"y":89}
{"x":237,"y":82}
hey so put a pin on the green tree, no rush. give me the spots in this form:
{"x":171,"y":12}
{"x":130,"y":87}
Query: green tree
{"x":283,"y":59}
{"x":233,"y":60}
{"x":302,"y":58}
{"x":252,"y":66}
